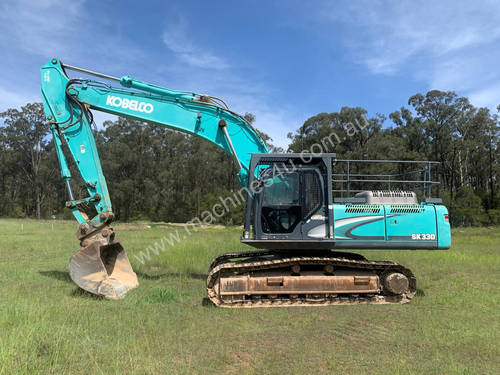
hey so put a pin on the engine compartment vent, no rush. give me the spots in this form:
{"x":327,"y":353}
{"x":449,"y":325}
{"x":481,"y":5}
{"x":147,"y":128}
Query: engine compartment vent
{"x":362,"y":208}
{"x":406,"y":209}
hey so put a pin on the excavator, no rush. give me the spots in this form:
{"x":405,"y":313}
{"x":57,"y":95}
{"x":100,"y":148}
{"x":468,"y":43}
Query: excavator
{"x":299,"y":232}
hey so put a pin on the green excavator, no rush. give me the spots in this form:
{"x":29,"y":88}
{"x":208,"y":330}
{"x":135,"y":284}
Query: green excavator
{"x":300,"y":232}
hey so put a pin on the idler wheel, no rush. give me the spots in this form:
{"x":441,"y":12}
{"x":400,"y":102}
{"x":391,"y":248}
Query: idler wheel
{"x":396,"y":283}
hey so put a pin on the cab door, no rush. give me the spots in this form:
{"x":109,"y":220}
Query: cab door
{"x":279,"y":211}
{"x":315,"y":219}
{"x":291,"y":206}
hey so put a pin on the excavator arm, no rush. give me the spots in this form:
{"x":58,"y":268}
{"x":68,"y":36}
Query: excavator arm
{"x":101,"y":266}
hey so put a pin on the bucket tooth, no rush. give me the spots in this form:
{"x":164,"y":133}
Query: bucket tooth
{"x":103,"y":269}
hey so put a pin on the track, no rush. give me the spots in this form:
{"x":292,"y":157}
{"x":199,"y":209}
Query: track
{"x":247,"y":267}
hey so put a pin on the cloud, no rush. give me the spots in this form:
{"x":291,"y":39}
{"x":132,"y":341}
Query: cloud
{"x":387,"y":34}
{"x":55,"y":27}
{"x":15,"y":99}
{"x":40,"y":27}
{"x":242,"y":94}
{"x":201,"y":71}
{"x":37,"y":30}
{"x":486,"y":97}
{"x":275,"y":121}
{"x":177,"y":41}
{"x":450,"y":45}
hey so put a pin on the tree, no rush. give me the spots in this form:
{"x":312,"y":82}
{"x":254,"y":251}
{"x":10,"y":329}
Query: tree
{"x":347,"y":133}
{"x":155,"y":173}
{"x":466,"y":208}
{"x":26,"y":132}
{"x":446,"y":121}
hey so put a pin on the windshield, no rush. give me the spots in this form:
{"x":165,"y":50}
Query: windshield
{"x":282,"y":190}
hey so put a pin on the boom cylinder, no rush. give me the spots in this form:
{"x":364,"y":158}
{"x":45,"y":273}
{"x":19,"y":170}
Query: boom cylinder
{"x":129,"y":82}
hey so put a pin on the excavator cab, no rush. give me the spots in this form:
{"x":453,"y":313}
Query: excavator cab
{"x":290,"y":206}
{"x":288,"y":202}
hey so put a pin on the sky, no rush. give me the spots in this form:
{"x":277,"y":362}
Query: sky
{"x":283,"y":61}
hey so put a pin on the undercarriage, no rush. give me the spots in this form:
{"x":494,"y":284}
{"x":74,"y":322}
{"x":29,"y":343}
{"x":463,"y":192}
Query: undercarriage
{"x":271,"y":278}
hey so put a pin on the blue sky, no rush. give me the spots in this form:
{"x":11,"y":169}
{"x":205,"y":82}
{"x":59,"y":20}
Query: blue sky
{"x":284,"y":61}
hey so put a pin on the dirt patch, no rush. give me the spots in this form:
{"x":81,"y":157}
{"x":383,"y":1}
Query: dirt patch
{"x":213,"y":226}
{"x":131,"y":227}
{"x":203,"y":226}
{"x":166,"y":226}
{"x":360,"y":331}
{"x":154,"y":268}
{"x":239,"y":362}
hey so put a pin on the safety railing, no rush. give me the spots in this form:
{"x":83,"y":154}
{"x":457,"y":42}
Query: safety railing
{"x":353,"y":176}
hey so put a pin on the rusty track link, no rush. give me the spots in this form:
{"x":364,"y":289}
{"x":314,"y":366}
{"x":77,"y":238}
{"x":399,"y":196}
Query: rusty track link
{"x":260,"y":253}
{"x":268,"y":260}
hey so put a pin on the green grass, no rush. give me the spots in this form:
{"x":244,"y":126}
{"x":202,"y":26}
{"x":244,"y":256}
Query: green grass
{"x":49,"y":326}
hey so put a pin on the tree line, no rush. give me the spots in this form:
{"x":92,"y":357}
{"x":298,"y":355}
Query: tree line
{"x":154,"y":173}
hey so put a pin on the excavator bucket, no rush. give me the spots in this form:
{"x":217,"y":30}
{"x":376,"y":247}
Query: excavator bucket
{"x":103,"y":269}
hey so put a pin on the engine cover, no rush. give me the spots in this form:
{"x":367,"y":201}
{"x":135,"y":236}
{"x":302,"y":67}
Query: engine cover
{"x":388,"y":197}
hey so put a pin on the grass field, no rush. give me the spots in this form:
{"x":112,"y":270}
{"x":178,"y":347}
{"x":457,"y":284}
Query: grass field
{"x":49,"y":326}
